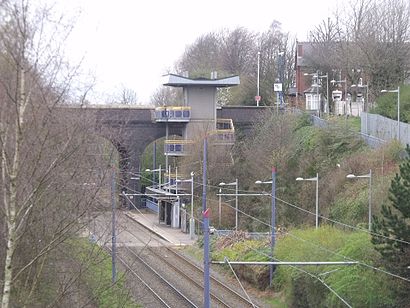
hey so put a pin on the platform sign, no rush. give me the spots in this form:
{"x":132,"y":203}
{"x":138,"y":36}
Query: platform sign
{"x":277,"y":87}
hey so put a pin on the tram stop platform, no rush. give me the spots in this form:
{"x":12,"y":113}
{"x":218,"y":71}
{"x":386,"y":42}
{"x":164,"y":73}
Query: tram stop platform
{"x":149,"y":220}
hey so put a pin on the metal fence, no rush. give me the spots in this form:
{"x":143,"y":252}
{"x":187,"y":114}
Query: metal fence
{"x":372,"y":140}
{"x":384,"y":128}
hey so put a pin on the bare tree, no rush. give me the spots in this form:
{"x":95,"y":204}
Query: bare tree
{"x":201,"y":57}
{"x":128,"y":96}
{"x":167,"y":96}
{"x":235,"y":52}
{"x":45,"y":159}
{"x":370,"y":37}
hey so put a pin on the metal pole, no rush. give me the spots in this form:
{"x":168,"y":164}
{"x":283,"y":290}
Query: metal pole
{"x":159,"y":177}
{"x":154,"y":161}
{"x":367,"y":97}
{"x":367,"y":108}
{"x":236,"y":205}
{"x":317,"y":93}
{"x":327,"y":93}
{"x":192,"y":220}
{"x":207,"y":294}
{"x":345,"y":102}
{"x":220,"y":208}
{"x":159,"y":200}
{"x":273,"y":219}
{"x":113,"y":236}
{"x":293,"y":263}
{"x":204,"y":175}
{"x":370,"y":200}
{"x":205,"y":213}
{"x":257,"y":80}
{"x":176,"y":180}
{"x":169,"y":178}
{"x":317,"y":200}
{"x":398,"y":113}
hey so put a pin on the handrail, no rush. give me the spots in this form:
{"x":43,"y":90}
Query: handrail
{"x":161,"y":108}
{"x":180,"y":141}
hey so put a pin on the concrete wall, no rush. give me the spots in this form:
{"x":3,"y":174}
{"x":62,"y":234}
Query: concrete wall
{"x":202,"y":101}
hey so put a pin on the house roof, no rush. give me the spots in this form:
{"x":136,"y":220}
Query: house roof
{"x":312,"y":89}
{"x":181,"y":81}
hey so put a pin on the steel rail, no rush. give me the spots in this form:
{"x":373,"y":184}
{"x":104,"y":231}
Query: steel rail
{"x":215,"y":280}
{"x":180,"y":294}
{"x":196,"y":267}
{"x":140,"y":279}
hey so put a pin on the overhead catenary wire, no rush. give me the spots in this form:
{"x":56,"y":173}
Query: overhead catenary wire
{"x":298,"y":238}
{"x":313,"y":214}
{"x":327,"y":249}
{"x":305,"y":272}
{"x":305,"y":211}
{"x":296,"y":268}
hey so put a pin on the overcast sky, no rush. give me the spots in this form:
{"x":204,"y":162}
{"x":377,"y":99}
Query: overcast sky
{"x":130,"y":43}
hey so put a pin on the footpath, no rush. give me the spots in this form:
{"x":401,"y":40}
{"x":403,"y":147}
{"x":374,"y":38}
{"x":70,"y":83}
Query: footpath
{"x":149,"y":220}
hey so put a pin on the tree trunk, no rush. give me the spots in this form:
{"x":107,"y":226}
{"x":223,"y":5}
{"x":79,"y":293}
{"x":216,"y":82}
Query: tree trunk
{"x":11,"y":207}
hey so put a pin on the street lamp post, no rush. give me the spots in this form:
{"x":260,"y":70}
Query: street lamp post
{"x":366,"y":176}
{"x":159,"y":174}
{"x":257,"y":80}
{"x":220,"y":208}
{"x":191,"y":219}
{"x":398,"y":108}
{"x":236,"y":199}
{"x":159,"y":187}
{"x":316,"y":179}
{"x":273,"y":218}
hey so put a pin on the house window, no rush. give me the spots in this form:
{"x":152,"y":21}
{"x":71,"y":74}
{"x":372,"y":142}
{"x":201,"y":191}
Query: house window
{"x":312,"y":101}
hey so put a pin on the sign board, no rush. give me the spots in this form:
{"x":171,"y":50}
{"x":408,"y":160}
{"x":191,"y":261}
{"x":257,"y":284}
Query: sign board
{"x":277,"y":87}
{"x":258,"y":98}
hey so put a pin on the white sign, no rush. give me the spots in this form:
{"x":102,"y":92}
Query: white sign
{"x":277,"y":87}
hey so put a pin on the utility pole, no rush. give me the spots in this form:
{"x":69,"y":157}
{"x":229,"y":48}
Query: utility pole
{"x":273,"y":221}
{"x":113,"y":236}
{"x":205,"y":213}
{"x":154,"y":161}
{"x":220,"y":208}
{"x":257,"y":81}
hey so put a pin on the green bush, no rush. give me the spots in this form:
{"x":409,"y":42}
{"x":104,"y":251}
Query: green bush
{"x":359,"y":285}
{"x":97,"y":275}
{"x":353,"y":205}
{"x":386,"y":104}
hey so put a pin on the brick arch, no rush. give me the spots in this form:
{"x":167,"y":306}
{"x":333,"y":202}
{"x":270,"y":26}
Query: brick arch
{"x":132,"y":129}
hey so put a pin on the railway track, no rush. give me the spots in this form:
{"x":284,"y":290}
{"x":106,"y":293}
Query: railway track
{"x":163,"y":292}
{"x":215,"y":283}
{"x":184,"y":269}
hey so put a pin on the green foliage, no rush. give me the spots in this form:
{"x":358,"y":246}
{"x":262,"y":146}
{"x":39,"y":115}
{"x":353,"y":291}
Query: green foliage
{"x":395,"y":222}
{"x":352,"y":206}
{"x":306,"y":138}
{"x":97,"y":275}
{"x":358,"y":285}
{"x":394,"y":151}
{"x":386,"y":104}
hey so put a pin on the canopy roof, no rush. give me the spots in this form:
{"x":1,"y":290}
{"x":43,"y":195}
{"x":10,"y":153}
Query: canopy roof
{"x":180,"y":81}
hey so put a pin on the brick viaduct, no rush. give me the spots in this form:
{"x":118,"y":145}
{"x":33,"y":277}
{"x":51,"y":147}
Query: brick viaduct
{"x":132,"y":129}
